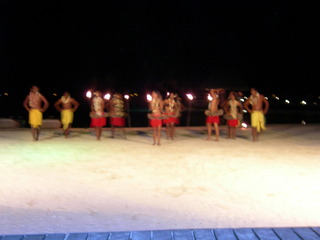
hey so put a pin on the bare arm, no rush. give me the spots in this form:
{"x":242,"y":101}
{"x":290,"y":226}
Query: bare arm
{"x":103,"y":105}
{"x":110,"y":106}
{"x":246,"y":106}
{"x":266,"y":105}
{"x":75,"y":104}
{"x":225,"y":107}
{"x":91,"y":105}
{"x":57,"y":105}
{"x":240,"y":106}
{"x":161,"y":105}
{"x":25,"y":103}
{"x":46,"y":104}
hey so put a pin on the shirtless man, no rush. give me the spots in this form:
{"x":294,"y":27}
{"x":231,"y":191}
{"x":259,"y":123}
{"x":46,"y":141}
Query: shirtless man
{"x":35,"y":103}
{"x":259,"y":107}
{"x":213,"y":114}
{"x":67,"y":106}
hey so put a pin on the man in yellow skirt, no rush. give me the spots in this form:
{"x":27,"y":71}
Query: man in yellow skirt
{"x":67,"y":106}
{"x":259,"y":107}
{"x":35,"y":103}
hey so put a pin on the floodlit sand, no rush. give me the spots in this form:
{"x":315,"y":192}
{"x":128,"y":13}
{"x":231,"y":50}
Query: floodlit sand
{"x":59,"y":185}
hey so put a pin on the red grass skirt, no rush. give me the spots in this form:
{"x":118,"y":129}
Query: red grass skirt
{"x":213,"y":119}
{"x":155,"y":122}
{"x":233,"y":122}
{"x":98,"y":122}
{"x":170,"y":120}
{"x":117,"y":121}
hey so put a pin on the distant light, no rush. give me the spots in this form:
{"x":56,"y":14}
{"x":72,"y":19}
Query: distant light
{"x":89,"y":94}
{"x":287,"y":101}
{"x":314,"y":103}
{"x":303,"y":122}
{"x":275,"y":98}
{"x":245,"y":111}
{"x":168,"y":94}
{"x":245,"y":97}
{"x":268,"y":98}
{"x":136,"y":94}
{"x":244,"y":125}
{"x":189,"y":96}
{"x":149,"y":97}
{"x":303,"y":102}
{"x":107,"y":96}
{"x":242,"y":100}
{"x":209,"y":97}
{"x":6,"y":94}
{"x":126,"y":96}
{"x":54,"y":94}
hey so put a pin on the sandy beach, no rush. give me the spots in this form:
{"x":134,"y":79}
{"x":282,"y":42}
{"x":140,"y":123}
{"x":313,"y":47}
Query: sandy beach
{"x":59,"y":185}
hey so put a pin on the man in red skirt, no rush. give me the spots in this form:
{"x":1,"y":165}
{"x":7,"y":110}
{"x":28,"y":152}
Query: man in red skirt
{"x":97,"y":114}
{"x":117,"y":114}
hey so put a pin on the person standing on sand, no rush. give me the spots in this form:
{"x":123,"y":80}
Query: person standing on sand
{"x":213,"y":114}
{"x":172,"y":112}
{"x":156,"y":106}
{"x":97,"y":114}
{"x":66,"y":105}
{"x":259,"y":107}
{"x":117,"y":114}
{"x":233,"y":108}
{"x":36,"y":104}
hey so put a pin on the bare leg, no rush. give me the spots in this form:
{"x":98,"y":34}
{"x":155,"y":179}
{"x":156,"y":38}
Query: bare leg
{"x":159,"y":134}
{"x":98,"y":132}
{"x":172,"y":130}
{"x":216,"y":128}
{"x":229,"y":132}
{"x":35,"y":134}
{"x":154,"y":132}
{"x":38,"y":132}
{"x":234,"y":132}
{"x":112,"y":131}
{"x":209,"y":131}
{"x":67,"y":131}
{"x":167,"y":130}
{"x":170,"y":127}
{"x":255,"y":135}
{"x":124,"y":133}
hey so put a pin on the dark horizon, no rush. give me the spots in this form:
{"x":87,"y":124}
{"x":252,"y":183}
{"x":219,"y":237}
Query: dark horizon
{"x":173,"y":45}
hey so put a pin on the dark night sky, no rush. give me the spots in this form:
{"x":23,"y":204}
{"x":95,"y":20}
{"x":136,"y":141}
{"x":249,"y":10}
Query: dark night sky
{"x":181,"y":44}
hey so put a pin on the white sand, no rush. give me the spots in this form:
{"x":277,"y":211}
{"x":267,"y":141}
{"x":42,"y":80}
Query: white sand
{"x":80,"y":184}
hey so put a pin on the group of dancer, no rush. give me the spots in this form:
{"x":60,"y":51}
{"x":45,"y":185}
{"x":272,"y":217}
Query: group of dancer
{"x":232,"y":110}
{"x":162,"y":112}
